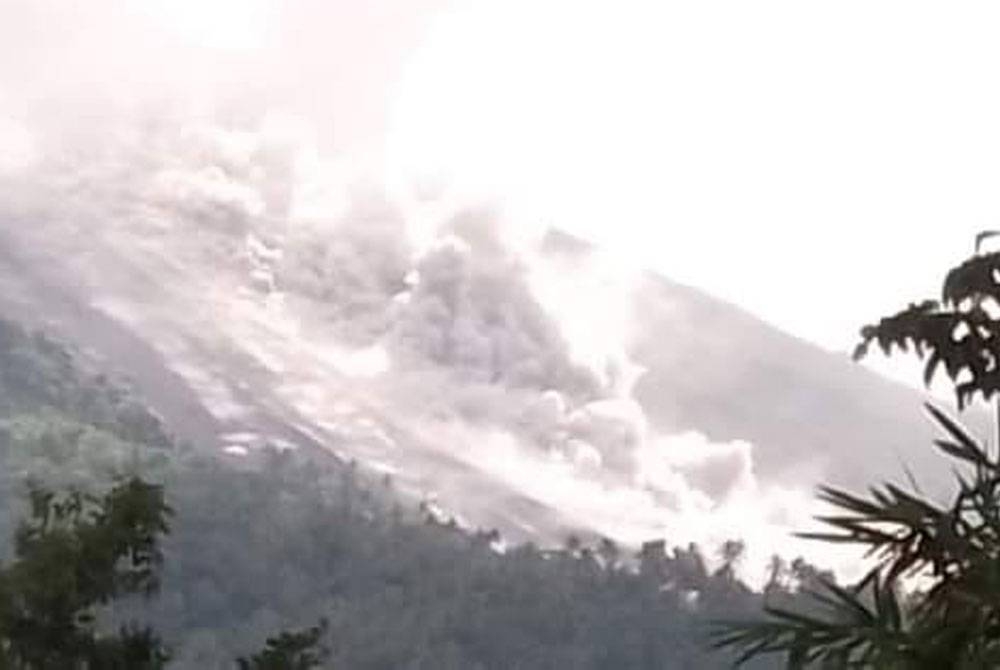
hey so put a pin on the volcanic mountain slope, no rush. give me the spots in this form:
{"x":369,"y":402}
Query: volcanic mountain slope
{"x":217,"y":396}
{"x":712,"y":367}
{"x":509,"y":381}
{"x":706,"y":366}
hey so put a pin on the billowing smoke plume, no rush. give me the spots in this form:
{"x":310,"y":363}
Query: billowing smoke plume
{"x":404,"y":329}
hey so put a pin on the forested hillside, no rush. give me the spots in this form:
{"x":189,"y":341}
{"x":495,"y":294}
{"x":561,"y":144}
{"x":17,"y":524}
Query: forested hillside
{"x":286,"y":538}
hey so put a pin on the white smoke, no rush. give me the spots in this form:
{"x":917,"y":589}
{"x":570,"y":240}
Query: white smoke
{"x":424,"y":336}
{"x":17,"y":147}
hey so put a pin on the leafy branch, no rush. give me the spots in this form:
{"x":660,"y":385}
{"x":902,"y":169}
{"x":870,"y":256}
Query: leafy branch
{"x":955,"y":621}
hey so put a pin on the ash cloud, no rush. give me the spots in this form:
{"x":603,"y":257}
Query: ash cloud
{"x":487,"y":348}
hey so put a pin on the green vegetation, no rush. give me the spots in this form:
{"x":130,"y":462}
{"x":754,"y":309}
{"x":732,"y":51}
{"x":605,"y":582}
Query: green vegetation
{"x":952,"y":551}
{"x":73,"y":554}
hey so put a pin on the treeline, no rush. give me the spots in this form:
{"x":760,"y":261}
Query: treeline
{"x":285,"y":539}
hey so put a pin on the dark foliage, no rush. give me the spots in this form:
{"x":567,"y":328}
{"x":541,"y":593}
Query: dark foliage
{"x":74,"y":553}
{"x":953,"y":620}
{"x":957,"y":332}
{"x":954,"y":623}
{"x":300,"y":650}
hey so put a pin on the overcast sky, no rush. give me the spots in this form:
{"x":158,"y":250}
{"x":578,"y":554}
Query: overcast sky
{"x":817,"y":163}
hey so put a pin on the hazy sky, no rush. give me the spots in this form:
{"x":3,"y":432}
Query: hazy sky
{"x":818,"y":163}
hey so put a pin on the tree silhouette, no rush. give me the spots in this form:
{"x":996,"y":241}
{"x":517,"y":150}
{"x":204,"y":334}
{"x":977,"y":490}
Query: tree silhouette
{"x":75,"y":553}
{"x":954,"y":620}
{"x":960,"y":332}
{"x":300,"y":650}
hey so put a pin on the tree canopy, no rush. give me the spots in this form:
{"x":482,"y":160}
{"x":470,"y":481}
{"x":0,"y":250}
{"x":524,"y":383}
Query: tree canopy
{"x":948,"y":554}
{"x":959,"y":332}
{"x":74,"y":553}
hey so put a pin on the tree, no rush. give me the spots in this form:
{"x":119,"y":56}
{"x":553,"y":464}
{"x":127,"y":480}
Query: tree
{"x":960,"y":332}
{"x":954,"y":620}
{"x":75,"y":553}
{"x":300,"y":650}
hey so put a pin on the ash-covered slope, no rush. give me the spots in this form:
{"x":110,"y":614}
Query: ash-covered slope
{"x":712,"y":367}
{"x":521,"y":383}
{"x":811,"y":413}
